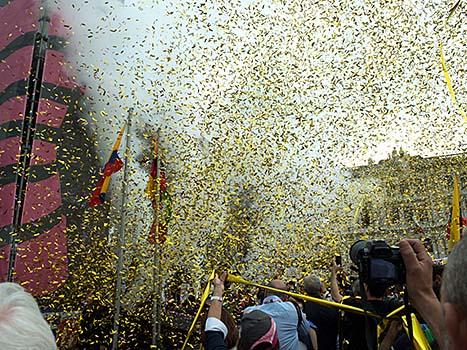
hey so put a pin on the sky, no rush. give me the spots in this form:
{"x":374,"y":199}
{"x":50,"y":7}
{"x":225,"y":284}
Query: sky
{"x":395,"y":58}
{"x":278,"y":97}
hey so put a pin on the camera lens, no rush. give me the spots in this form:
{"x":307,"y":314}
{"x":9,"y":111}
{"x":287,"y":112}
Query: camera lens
{"x":355,"y":250}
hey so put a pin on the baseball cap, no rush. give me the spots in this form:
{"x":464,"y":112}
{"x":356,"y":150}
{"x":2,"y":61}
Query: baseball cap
{"x":258,"y":328}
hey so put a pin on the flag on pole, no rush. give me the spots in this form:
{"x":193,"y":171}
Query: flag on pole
{"x":455,"y":223}
{"x":111,"y":167}
{"x":449,"y":82}
{"x":156,"y":190}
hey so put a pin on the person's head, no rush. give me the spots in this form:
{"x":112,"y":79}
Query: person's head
{"x":428,"y":244}
{"x":313,"y":286}
{"x":277,"y":284}
{"x":375,"y":290}
{"x":454,"y":296}
{"x":291,"y":286}
{"x":232,"y":331}
{"x":22,"y":326}
{"x":356,"y":288}
{"x":258,"y":331}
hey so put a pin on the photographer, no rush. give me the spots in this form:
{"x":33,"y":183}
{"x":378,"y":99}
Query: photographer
{"x":360,"y":332}
{"x":380,"y":266}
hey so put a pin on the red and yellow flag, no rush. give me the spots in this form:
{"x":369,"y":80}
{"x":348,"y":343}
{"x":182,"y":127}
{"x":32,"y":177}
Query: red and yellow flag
{"x":156,"y":190}
{"x":455,"y":224}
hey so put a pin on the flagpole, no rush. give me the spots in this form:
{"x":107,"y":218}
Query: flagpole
{"x":121,"y":237}
{"x":157,"y":300}
{"x":156,"y":268}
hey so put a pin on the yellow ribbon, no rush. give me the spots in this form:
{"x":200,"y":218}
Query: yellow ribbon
{"x":353,"y":309}
{"x":455,"y":226}
{"x":421,"y":343}
{"x":204,"y":297}
{"x":449,"y":83}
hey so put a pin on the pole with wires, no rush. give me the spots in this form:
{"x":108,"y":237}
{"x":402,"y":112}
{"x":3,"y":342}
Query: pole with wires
{"x":156,"y":268}
{"x":121,"y":237}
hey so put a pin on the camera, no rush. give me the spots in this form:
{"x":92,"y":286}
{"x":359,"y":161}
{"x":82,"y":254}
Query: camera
{"x":378,"y":263}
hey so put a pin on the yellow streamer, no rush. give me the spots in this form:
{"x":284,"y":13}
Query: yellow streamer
{"x":353,"y":309}
{"x":449,"y":84}
{"x":204,"y":297}
{"x":396,"y":311}
{"x":357,"y":211}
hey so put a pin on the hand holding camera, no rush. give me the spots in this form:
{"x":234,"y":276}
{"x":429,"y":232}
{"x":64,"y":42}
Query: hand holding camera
{"x":419,"y":268}
{"x":408,"y":264}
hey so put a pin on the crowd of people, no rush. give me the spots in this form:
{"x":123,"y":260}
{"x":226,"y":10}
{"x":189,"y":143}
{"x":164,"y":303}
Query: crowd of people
{"x":282,"y":322}
{"x":438,"y":295}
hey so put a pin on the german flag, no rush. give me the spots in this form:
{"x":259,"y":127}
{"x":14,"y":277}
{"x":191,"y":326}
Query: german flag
{"x":156,"y":190}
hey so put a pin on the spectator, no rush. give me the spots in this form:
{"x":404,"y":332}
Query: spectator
{"x":22,"y":326}
{"x":231,"y":338}
{"x":325,"y":318}
{"x":356,"y":288}
{"x":258,"y":329}
{"x":335,"y":294}
{"x":447,"y":319}
{"x":360,"y":332}
{"x":288,"y":318}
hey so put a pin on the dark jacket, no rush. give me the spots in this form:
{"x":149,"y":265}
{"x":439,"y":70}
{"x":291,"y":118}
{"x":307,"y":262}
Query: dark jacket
{"x":215,"y":341}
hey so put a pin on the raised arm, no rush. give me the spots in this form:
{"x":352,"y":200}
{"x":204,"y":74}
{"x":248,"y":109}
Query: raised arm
{"x":336,"y":295}
{"x":216,"y":300}
{"x":419,"y":266}
{"x":216,"y":330}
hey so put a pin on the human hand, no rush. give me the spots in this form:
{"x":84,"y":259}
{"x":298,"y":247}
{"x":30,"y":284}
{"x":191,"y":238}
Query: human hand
{"x":335,"y":268}
{"x":393,"y":331}
{"x":419,"y":269}
{"x":218,"y":283}
{"x":395,"y":327}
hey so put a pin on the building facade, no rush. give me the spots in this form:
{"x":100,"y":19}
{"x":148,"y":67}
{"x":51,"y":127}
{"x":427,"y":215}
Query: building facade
{"x":407,"y":196}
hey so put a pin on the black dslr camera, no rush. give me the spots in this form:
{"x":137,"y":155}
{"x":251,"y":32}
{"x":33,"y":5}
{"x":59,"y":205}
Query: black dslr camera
{"x":378,"y":263}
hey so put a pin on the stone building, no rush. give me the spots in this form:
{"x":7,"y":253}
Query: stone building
{"x":407,"y":195}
